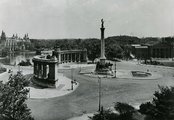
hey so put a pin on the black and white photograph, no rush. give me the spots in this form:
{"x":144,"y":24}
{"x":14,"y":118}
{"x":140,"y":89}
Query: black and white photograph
{"x":86,"y":59}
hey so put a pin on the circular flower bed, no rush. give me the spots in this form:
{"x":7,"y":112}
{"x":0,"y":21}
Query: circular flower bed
{"x":140,"y":74}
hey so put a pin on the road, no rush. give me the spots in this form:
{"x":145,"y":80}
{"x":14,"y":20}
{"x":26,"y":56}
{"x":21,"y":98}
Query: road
{"x":85,"y":98}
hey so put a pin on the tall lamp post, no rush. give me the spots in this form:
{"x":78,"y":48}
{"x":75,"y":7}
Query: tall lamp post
{"x":99,"y":100}
{"x":72,"y":79}
{"x":115,"y":67}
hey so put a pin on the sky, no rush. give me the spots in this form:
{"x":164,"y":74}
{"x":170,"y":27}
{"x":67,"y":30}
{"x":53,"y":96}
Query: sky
{"x":56,"y":19}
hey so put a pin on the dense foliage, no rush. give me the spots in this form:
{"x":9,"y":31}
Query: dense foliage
{"x":125,"y":112}
{"x":116,"y":46}
{"x":162,"y":105}
{"x":25,"y":63}
{"x":13,"y":98}
{"x":161,"y":108}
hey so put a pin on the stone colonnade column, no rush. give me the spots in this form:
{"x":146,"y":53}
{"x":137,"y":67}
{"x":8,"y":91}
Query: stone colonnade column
{"x":84,"y":56}
{"x":67,"y":57}
{"x":64,"y":57}
{"x":52,"y":71}
{"x":75,"y":58}
{"x":35,"y":68}
{"x":39,"y":71}
{"x":71,"y":58}
{"x":59,"y":55}
{"x":44,"y":71}
{"x":79,"y":58}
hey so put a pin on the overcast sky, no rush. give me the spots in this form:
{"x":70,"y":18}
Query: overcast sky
{"x":81,"y":18}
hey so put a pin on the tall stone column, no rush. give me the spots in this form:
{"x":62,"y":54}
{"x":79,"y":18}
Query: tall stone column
{"x":103,"y":58}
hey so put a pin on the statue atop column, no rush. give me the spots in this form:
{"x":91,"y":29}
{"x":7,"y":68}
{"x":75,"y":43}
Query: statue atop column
{"x":103,"y":67}
{"x":102,"y":21}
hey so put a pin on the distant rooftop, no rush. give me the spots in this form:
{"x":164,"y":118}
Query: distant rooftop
{"x":135,"y":45}
{"x":141,"y":46}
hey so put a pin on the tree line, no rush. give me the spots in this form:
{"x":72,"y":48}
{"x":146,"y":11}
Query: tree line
{"x":116,"y":46}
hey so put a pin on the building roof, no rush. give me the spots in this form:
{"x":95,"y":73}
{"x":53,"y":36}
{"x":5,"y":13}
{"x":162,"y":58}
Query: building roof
{"x":134,"y":45}
{"x":141,"y":47}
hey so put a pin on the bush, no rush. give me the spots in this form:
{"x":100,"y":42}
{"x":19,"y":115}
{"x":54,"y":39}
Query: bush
{"x":126,"y":111}
{"x":162,"y":106}
{"x":25,"y":63}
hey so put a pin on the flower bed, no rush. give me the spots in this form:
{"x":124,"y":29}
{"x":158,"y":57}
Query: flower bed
{"x":140,"y":74}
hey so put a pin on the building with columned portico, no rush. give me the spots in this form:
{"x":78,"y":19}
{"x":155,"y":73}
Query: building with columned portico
{"x":67,"y":56}
{"x":45,"y":70}
{"x":45,"y":67}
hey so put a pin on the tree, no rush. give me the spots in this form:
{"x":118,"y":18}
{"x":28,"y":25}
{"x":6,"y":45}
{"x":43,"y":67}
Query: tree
{"x":162,"y":105}
{"x":126,"y":111}
{"x":12,"y":99}
{"x":105,"y":115}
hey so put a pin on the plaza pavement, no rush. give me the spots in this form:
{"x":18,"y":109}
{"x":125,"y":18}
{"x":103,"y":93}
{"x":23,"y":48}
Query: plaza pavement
{"x":85,"y":98}
{"x":63,"y":86}
{"x":125,"y":74}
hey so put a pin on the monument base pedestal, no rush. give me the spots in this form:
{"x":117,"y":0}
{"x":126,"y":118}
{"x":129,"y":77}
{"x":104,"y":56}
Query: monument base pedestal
{"x":103,"y":68}
{"x":44,"y":83}
{"x":102,"y":61}
{"x":103,"y":72}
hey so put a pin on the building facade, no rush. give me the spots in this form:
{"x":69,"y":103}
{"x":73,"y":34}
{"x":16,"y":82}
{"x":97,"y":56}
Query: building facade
{"x":157,"y":50}
{"x":66,"y":56}
{"x":45,"y":71}
{"x":45,"y":67}
{"x":16,"y":43}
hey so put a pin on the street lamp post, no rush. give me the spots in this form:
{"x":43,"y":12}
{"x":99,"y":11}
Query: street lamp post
{"x":72,"y":84}
{"x":72,"y":79}
{"x":115,"y":69}
{"x":99,"y":102}
{"x":29,"y":92}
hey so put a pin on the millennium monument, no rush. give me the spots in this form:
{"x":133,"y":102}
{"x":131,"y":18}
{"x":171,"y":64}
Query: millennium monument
{"x":102,"y":67}
{"x":102,"y":58}
{"x":45,"y":71}
{"x":45,"y":67}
